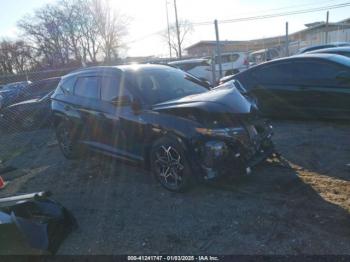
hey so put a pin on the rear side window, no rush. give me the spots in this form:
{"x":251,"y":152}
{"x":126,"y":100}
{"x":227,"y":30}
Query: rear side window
{"x":313,"y":72}
{"x":224,"y":59}
{"x":227,"y":58}
{"x":87,"y":87}
{"x":234,"y":58}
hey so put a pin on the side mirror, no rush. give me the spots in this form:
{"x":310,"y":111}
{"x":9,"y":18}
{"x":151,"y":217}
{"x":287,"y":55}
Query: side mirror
{"x":121,"y":101}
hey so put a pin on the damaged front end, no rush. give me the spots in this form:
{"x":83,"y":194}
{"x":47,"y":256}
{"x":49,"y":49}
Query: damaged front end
{"x":33,"y":223}
{"x":235,"y":150}
{"x":235,"y":139}
{"x":229,"y":136}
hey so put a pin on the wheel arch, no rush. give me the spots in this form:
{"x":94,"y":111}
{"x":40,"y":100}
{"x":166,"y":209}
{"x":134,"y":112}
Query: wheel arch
{"x":183,"y":141}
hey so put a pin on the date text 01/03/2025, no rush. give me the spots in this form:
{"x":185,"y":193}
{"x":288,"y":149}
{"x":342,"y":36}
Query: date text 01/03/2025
{"x":172,"y":258}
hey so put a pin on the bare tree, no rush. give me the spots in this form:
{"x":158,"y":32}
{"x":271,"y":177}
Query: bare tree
{"x":112,"y":27}
{"x":185,"y":29}
{"x":75,"y":32}
{"x":89,"y":40}
{"x":44,"y":30}
{"x":15,"y":57}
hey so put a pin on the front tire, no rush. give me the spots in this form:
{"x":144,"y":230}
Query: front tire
{"x":67,"y":140}
{"x":170,"y":166}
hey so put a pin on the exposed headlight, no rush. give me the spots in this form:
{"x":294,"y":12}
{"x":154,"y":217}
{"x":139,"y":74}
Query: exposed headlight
{"x":222,"y":132}
{"x":212,"y":155}
{"x":215,"y":149}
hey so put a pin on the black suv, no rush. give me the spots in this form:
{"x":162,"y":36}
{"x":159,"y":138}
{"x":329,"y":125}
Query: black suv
{"x":162,"y":117}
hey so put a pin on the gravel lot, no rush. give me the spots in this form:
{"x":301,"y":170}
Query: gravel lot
{"x":301,"y":209}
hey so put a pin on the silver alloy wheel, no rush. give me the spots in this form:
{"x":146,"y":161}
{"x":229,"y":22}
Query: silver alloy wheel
{"x":169,"y":166}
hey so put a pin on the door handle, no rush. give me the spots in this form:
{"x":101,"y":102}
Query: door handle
{"x":67,"y":107}
{"x":302,"y":88}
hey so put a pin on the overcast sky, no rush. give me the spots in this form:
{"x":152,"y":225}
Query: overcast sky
{"x":149,"y":17}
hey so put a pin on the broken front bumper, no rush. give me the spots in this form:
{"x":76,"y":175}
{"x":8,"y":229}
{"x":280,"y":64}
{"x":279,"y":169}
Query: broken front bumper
{"x":238,"y":155}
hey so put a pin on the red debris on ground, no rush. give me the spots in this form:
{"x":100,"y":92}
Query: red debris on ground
{"x":2,"y":183}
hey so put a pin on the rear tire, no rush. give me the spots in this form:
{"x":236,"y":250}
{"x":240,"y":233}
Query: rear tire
{"x":170,"y":165}
{"x":67,"y":140}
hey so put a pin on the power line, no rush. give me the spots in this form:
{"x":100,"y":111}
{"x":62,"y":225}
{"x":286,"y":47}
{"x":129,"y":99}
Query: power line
{"x":252,"y":18}
{"x":144,"y":37}
{"x":289,"y":7}
{"x":288,"y":13}
{"x":259,"y":17}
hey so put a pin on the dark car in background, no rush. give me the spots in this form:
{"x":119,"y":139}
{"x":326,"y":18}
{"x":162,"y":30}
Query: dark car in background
{"x":9,"y":93}
{"x":21,"y":91}
{"x":315,"y":85}
{"x":27,"y":115}
{"x":163,"y":118}
{"x":38,"y":89}
{"x":345,"y":51}
{"x":320,"y":47}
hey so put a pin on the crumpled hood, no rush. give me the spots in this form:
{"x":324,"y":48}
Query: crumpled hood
{"x":223,"y":100}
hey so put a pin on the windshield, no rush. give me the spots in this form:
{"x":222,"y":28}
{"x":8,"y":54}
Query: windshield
{"x":160,"y":85}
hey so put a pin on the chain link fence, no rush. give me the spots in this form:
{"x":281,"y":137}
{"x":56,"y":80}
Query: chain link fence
{"x":25,"y":112}
{"x":25,"y":116}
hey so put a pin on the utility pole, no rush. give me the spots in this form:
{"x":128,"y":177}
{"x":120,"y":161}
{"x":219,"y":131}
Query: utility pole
{"x":287,"y":40}
{"x":218,"y":48}
{"x":177,"y":30}
{"x":167,"y":20}
{"x":327,"y":21}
